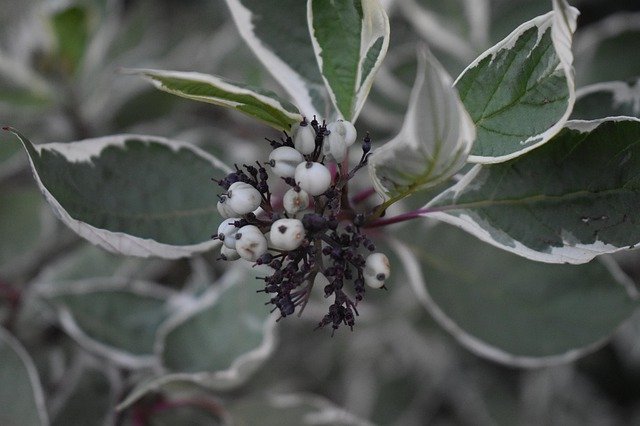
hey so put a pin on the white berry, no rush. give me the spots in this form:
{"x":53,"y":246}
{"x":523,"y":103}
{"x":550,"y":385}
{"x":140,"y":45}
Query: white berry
{"x":312,"y":177}
{"x":287,"y":234}
{"x":376,"y":270}
{"x":284,"y":160}
{"x":342,"y":135}
{"x":227,"y":232}
{"x":295,"y":201}
{"x":224,"y":209}
{"x":305,"y":139}
{"x":229,"y":254}
{"x":250,"y":243}
{"x":243,"y":198}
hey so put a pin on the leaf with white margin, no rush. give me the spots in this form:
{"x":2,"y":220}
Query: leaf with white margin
{"x":521,"y":91}
{"x":131,"y":194}
{"x":350,"y":39}
{"x":257,"y":103}
{"x":459,"y":27}
{"x":279,"y":37}
{"x":21,"y":394}
{"x":434,"y":141}
{"x":113,"y":317}
{"x":512,"y":310}
{"x":217,"y":341}
{"x":609,"y":99}
{"x":290,"y":409}
{"x":566,"y":202}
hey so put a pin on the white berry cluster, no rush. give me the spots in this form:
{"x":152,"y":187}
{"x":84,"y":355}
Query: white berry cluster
{"x":305,"y":230}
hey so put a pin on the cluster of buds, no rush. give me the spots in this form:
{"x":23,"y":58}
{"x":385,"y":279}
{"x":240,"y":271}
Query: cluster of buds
{"x":310,"y":234}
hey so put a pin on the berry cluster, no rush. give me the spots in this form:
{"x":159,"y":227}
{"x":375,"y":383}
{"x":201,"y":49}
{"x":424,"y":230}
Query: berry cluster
{"x":310,"y":234}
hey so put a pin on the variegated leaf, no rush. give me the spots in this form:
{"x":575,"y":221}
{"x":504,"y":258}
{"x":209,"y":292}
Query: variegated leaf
{"x":566,"y":202}
{"x":434,"y":141}
{"x":258,"y":103}
{"x":521,"y":91}
{"x":350,"y":39}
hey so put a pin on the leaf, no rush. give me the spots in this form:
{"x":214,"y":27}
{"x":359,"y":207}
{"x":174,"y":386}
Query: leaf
{"x":513,"y":310}
{"x":350,"y":39}
{"x":613,"y":98}
{"x":23,"y":223}
{"x":520,"y":92}
{"x":605,"y":49}
{"x":261,"y":104}
{"x":71,"y":31}
{"x":568,"y":201}
{"x":290,"y":409}
{"x":434,"y":141}
{"x":459,"y":27}
{"x":130,"y":194}
{"x":287,"y":54}
{"x":114,"y":317}
{"x":21,"y":395}
{"x":217,"y":341}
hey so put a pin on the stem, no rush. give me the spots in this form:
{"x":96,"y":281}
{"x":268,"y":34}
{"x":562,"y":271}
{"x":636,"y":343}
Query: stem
{"x":404,"y":217}
{"x":363,"y":195}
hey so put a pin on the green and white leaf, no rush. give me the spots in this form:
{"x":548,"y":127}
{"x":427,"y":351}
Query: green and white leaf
{"x":131,"y":194}
{"x":350,"y":39}
{"x":609,"y":99}
{"x":434,"y":141}
{"x":566,"y":202}
{"x":21,"y":394}
{"x":216,"y":341}
{"x":521,"y":91}
{"x":510,"y":309}
{"x":115,"y":318}
{"x":258,"y":103}
{"x":459,"y":27}
{"x":288,"y":55}
{"x":290,"y":409}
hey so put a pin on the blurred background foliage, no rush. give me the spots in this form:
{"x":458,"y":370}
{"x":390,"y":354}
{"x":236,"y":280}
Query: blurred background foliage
{"x":185,"y":342}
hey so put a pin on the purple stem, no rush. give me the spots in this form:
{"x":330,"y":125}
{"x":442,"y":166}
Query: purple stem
{"x":401,"y":217}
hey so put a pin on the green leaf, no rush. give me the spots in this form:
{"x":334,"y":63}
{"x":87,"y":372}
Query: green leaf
{"x":434,"y":141}
{"x":350,"y":39}
{"x":513,"y":310}
{"x":130,"y":194}
{"x":114,"y":317}
{"x":520,"y":92}
{"x":605,"y":49}
{"x":24,"y":224}
{"x":261,"y":104}
{"x":290,"y":409}
{"x":217,"y":341}
{"x":279,"y":37}
{"x":21,"y":396}
{"x":568,"y":201}
{"x":71,"y":31}
{"x":613,"y":98}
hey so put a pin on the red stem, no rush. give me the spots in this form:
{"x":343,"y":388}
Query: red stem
{"x":362,"y":195}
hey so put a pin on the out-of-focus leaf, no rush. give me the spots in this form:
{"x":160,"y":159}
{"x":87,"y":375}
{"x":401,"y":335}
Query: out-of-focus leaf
{"x":288,"y":55}
{"x":21,"y":396}
{"x":568,"y":201}
{"x":290,"y":409}
{"x":520,"y":92}
{"x":605,"y":51}
{"x":218,"y":341}
{"x":258,"y":103}
{"x":512,"y":310}
{"x":350,"y":40}
{"x":434,"y":141}
{"x":113,"y":317}
{"x":134,"y":195}
{"x":71,"y":31}
{"x":609,"y":99}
